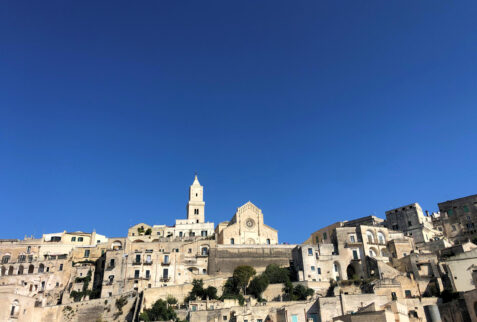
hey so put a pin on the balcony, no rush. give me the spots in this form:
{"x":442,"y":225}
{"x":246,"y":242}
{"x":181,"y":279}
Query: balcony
{"x":110,"y":267}
{"x":165,"y":279}
{"x":166,"y":263}
{"x":353,"y":244}
{"x":136,"y":263}
{"x":147,"y":263}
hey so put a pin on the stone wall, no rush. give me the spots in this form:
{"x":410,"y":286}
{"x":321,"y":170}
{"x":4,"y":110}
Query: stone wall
{"x":225,"y":258}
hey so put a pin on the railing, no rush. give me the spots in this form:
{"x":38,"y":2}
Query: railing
{"x":136,"y":263}
{"x":166,"y":263}
{"x":148,"y":262}
{"x":165,"y":279}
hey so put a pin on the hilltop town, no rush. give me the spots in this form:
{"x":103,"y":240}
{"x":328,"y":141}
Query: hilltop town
{"x":411,"y":265}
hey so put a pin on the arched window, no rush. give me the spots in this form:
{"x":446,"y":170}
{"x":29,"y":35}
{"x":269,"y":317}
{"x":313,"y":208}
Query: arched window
{"x":5,"y":259}
{"x":370,"y":236}
{"x":384,"y":253}
{"x":205,"y":251}
{"x":31,"y":269}
{"x":268,"y":241}
{"x":20,"y":270}
{"x":232,"y":241}
{"x":204,"y":271}
{"x":10,"y":270}
{"x":41,"y":268}
{"x":4,"y":270}
{"x":381,"y":238}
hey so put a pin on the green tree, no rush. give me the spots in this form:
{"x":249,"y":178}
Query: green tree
{"x":171,"y":300}
{"x":198,"y":291}
{"x":258,"y":285}
{"x":148,"y":231}
{"x":301,"y":293}
{"x":276,"y":274}
{"x":159,"y":311}
{"x":242,"y":275}
{"x":211,"y":293}
{"x":230,"y":287}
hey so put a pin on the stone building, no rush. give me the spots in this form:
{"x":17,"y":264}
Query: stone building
{"x":411,"y":221}
{"x":458,"y":218}
{"x":184,"y":229}
{"x":458,"y":271}
{"x":246,"y":227}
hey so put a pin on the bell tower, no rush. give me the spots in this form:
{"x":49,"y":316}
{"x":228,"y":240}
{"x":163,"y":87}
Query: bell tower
{"x":196,"y":204}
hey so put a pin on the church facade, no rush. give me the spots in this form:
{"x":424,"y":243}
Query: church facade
{"x":246,"y":227}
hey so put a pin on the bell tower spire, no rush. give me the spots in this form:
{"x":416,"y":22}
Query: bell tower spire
{"x":196,"y":204}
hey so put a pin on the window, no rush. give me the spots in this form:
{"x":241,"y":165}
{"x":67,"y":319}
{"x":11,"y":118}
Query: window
{"x":80,"y":239}
{"x":203,"y":233}
{"x":5,"y":259}
{"x":404,"y":254}
{"x":136,"y":273}
{"x":370,"y":236}
{"x":224,"y":317}
{"x":204,"y":271}
{"x":166,"y":259}
{"x":196,"y":211}
{"x":73,"y":239}
{"x":355,"y":254}
{"x":395,"y":227}
{"x":205,"y":251}
{"x":86,"y":253}
{"x":335,"y":267}
{"x":408,"y":293}
{"x":138,"y":258}
{"x":61,"y":267}
{"x":319,"y":270}
{"x":192,"y":234}
{"x":409,"y":223}
{"x":28,"y":249}
{"x":268,"y":241}
{"x":466,"y":209}
{"x":165,"y":273}
{"x":310,"y":251}
{"x":312,"y":268}
{"x":381,"y":238}
{"x":450,"y":212}
{"x":148,"y":274}
{"x":180,"y":234}
{"x":317,"y":239}
{"x":352,"y":239}
{"x":324,"y":236}
{"x":232,"y":241}
{"x":189,"y":251}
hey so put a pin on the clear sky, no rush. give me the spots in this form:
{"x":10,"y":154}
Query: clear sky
{"x":316,"y":111}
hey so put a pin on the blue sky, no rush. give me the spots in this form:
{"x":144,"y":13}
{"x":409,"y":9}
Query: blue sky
{"x":316,"y":111}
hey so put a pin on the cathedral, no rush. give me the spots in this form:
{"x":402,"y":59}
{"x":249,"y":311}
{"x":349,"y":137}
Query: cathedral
{"x":246,"y":227}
